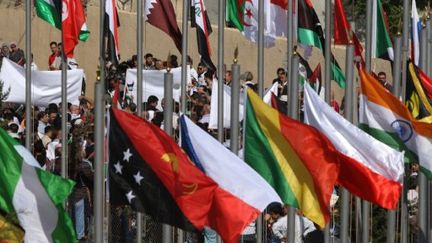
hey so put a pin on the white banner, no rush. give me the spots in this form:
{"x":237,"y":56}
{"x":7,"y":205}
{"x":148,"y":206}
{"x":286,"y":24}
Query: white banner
{"x":45,"y":87}
{"x":153,"y":83}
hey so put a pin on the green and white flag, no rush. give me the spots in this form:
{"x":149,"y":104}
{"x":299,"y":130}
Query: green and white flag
{"x":33,"y":195}
{"x":48,"y":11}
{"x":382,"y":46}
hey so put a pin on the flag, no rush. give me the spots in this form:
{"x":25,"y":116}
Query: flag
{"x":203,"y":27}
{"x":73,"y":23}
{"x":243,"y":15}
{"x":368,"y":168}
{"x":315,"y":78}
{"x":9,"y":231}
{"x":382,"y":46}
{"x":304,"y":69}
{"x":275,"y":148}
{"x":150,"y":172}
{"x":279,"y":105}
{"x":111,"y":25}
{"x":343,"y":34}
{"x":384,"y":116}
{"x":160,"y":14}
{"x":35,"y":196}
{"x":273,"y":90}
{"x":416,"y":26}
{"x":426,"y":82}
{"x":416,"y":99}
{"x":226,"y":106}
{"x":50,"y":11}
{"x":224,"y":167}
{"x":310,"y":33}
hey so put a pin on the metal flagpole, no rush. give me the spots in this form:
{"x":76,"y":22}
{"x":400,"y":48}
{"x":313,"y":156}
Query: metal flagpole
{"x":235,"y":103}
{"x":260,"y":47}
{"x":28,"y":50}
{"x":391,"y":214}
{"x":405,"y":48}
{"x":139,"y":43}
{"x":423,"y":183}
{"x":64,"y":137}
{"x":99,"y":134}
{"x":221,"y":26}
{"x":349,"y":94}
{"x":368,"y":61}
{"x":327,"y":73}
{"x":290,"y":36}
{"x":429,"y":46}
{"x":293,"y":112}
{"x":184,"y":55}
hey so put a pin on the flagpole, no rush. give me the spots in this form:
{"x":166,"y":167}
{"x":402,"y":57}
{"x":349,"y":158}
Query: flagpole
{"x":391,"y":214}
{"x":327,"y":52}
{"x":64,"y":150}
{"x":235,"y":103}
{"x":405,"y":49}
{"x":184,"y":55}
{"x":293,"y":112}
{"x":429,"y":46}
{"x":139,"y":43}
{"x":260,"y":47}
{"x":28,"y":50}
{"x":327,"y":73}
{"x":423,"y":183}
{"x":290,"y":33}
{"x":349,"y":94}
{"x":221,"y":28}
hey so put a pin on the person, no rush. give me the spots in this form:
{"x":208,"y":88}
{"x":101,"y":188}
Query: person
{"x":4,"y":52}
{"x":42,"y":119}
{"x":16,"y":54}
{"x":53,"y":55}
{"x":228,"y":77}
{"x":148,"y":64}
{"x":281,"y":76}
{"x":382,"y":78}
{"x":279,"y":226}
{"x":33,"y":65}
{"x":201,"y":70}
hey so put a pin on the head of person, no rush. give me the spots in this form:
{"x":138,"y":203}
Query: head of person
{"x":228,"y":76}
{"x":54,"y":47}
{"x":148,"y":59}
{"x":159,"y":64}
{"x":202,"y":89}
{"x":281,"y":73}
{"x":13,"y":47}
{"x":201,"y":68}
{"x":275,"y":210}
{"x":5,"y":48}
{"x":43,"y":117}
{"x":382,"y":77}
{"x":152,"y":102}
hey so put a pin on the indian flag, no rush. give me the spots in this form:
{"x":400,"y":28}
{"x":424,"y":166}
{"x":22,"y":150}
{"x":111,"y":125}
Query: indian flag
{"x":291,"y":157}
{"x":34,"y":196}
{"x":384,"y":116}
{"x":50,"y":11}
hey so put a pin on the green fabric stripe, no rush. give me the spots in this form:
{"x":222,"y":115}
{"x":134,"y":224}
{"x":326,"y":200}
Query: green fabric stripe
{"x":233,"y":14}
{"x":59,"y":189}
{"x":48,"y":13}
{"x":309,"y":37}
{"x":382,"y":37}
{"x":84,"y":35}
{"x":392,"y":140}
{"x":337,"y":75}
{"x":259,"y":155}
{"x":10,"y":171}
{"x":427,"y":172}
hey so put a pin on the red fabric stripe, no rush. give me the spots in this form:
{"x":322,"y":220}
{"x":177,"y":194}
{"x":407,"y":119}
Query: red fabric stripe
{"x":368,"y":185}
{"x":426,"y":82}
{"x":200,"y":199}
{"x":71,"y":26}
{"x":319,"y":156}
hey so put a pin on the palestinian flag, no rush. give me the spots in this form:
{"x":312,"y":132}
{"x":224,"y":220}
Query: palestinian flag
{"x":50,"y":11}
{"x":275,"y":148}
{"x":385,"y":117}
{"x":382,"y":46}
{"x":310,"y":33}
{"x":152,"y":174}
{"x":416,"y":98}
{"x":35,"y":196}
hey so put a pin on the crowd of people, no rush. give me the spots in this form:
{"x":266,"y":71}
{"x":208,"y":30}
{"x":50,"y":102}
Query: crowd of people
{"x":47,"y":140}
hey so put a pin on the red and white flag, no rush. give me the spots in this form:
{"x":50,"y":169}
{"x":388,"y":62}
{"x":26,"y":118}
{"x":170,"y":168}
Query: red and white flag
{"x":73,"y":21}
{"x":111,"y":30}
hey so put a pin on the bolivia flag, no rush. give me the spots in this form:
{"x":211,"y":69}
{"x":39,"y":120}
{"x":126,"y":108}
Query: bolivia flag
{"x":34,"y":195}
{"x":298,"y":161}
{"x":368,"y":168}
{"x":150,"y":172}
{"x":385,"y":117}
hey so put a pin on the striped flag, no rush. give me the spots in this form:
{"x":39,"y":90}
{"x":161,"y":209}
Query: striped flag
{"x":203,"y":27}
{"x":275,"y":147}
{"x":415,"y":38}
{"x":382,"y":46}
{"x":416,"y":98}
{"x":383,"y":116}
{"x":111,"y":25}
{"x":368,"y":168}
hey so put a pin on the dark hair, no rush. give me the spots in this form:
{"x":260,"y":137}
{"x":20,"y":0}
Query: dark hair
{"x":8,"y":116}
{"x":209,"y":74}
{"x":53,"y":43}
{"x":279,"y":70}
{"x":40,"y":115}
{"x":152,"y":99}
{"x":148,"y":55}
{"x":132,"y":106}
{"x":48,"y":129}
{"x":13,"y":127}
{"x":382,"y":73}
{"x":275,"y":207}
{"x":53,"y":108}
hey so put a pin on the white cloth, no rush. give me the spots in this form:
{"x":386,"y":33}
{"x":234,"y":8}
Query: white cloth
{"x":280,"y":227}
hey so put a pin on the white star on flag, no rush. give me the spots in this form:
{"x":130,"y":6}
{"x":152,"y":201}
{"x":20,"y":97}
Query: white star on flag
{"x":138,"y":178}
{"x":126,"y":155}
{"x":118,"y":167}
{"x":130,"y":196}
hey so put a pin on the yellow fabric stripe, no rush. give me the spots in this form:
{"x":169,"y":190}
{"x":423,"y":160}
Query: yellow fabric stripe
{"x":419,"y":89}
{"x":291,"y":165}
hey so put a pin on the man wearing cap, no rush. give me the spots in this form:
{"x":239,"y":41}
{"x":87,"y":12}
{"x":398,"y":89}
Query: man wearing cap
{"x":16,"y":55}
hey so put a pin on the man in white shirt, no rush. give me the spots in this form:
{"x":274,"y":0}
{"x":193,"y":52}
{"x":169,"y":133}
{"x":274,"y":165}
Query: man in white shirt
{"x":280,"y":224}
